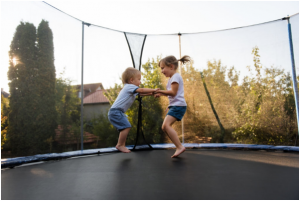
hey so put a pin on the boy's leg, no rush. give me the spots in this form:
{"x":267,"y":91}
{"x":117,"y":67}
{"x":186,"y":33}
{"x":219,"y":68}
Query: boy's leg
{"x":167,"y":128}
{"x":122,"y":140}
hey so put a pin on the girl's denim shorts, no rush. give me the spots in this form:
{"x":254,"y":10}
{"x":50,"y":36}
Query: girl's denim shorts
{"x":177,"y":112}
{"x":118,"y":119}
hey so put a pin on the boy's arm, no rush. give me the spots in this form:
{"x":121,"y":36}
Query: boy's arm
{"x":146,"y":94}
{"x":143,"y":91}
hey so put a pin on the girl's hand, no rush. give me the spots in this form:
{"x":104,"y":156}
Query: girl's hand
{"x":157,"y":95}
{"x":155,"y":91}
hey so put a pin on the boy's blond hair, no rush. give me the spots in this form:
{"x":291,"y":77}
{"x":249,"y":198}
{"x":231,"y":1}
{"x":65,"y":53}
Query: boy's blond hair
{"x":129,"y":73}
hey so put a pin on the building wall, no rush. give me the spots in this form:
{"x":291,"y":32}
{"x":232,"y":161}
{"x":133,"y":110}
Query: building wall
{"x":93,"y":110}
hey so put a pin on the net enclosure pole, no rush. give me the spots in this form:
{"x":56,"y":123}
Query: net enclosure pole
{"x":296,"y":92}
{"x":81,"y":113}
{"x":182,"y":125}
{"x":139,"y":124}
{"x":82,"y":95}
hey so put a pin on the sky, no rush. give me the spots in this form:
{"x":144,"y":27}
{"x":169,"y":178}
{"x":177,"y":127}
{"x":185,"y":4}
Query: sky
{"x":176,"y":16}
{"x":144,"y":17}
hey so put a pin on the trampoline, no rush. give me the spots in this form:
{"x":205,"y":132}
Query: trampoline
{"x":205,"y":171}
{"x":200,"y":174}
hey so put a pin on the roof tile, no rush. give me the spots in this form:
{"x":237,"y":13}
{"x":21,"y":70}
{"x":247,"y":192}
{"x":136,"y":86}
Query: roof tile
{"x":96,"y":97}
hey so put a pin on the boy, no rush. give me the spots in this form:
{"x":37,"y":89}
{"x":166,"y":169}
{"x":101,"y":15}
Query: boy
{"x":131,"y":79}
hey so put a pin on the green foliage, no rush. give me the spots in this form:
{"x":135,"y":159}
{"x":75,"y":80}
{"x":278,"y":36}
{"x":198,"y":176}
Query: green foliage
{"x":200,"y":120}
{"x":267,"y":113}
{"x":108,"y":135}
{"x":45,"y":81}
{"x":68,"y":110}
{"x":75,"y":133}
{"x":259,"y":108}
{"x":67,"y":101}
{"x":4,"y":119}
{"x":23,"y":102}
{"x":32,"y":117}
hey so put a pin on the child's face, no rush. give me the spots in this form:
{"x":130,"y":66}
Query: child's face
{"x":136,"y":80}
{"x":168,"y":71}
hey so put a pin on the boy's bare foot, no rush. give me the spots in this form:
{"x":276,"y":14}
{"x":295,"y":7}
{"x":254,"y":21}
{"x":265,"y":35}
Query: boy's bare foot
{"x":178,"y":152}
{"x":122,"y":149}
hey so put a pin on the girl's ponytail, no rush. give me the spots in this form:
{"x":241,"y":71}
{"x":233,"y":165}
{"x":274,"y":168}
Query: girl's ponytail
{"x":185,"y":59}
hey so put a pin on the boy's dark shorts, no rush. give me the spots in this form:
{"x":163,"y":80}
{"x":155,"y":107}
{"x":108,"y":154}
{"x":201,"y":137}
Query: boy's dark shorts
{"x":118,"y":119}
{"x":177,"y":112}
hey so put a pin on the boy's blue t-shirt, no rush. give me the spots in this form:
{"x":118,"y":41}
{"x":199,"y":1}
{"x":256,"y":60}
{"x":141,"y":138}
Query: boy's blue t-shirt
{"x":126,"y":97}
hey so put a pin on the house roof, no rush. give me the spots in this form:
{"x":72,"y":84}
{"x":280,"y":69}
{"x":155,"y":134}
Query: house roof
{"x":5,"y":94}
{"x":96,"y":97}
{"x":92,"y":86}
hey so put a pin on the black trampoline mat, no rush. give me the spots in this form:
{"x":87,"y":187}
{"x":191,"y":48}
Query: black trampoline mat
{"x":196,"y":174}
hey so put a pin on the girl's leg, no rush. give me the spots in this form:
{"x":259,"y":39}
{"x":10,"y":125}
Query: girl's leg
{"x":122,"y":140}
{"x":167,"y":128}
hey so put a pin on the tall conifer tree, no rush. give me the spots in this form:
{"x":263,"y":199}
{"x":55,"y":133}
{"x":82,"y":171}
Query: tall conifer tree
{"x":21,"y":73}
{"x":46,"y":86}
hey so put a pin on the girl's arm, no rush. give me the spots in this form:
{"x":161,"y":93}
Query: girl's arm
{"x":172,"y":92}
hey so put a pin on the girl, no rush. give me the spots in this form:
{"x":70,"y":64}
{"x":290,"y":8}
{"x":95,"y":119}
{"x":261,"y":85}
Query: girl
{"x":175,"y":93}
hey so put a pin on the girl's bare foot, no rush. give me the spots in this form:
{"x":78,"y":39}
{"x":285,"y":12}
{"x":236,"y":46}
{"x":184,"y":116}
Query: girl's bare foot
{"x":122,"y":149}
{"x":178,"y":152}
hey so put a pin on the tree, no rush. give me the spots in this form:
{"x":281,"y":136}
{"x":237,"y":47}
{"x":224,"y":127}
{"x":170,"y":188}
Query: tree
{"x":45,"y":80}
{"x":68,"y":111}
{"x":22,"y":75}
{"x":200,"y":119}
{"x":260,"y":109}
{"x":32,"y":87}
{"x":267,"y":112}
